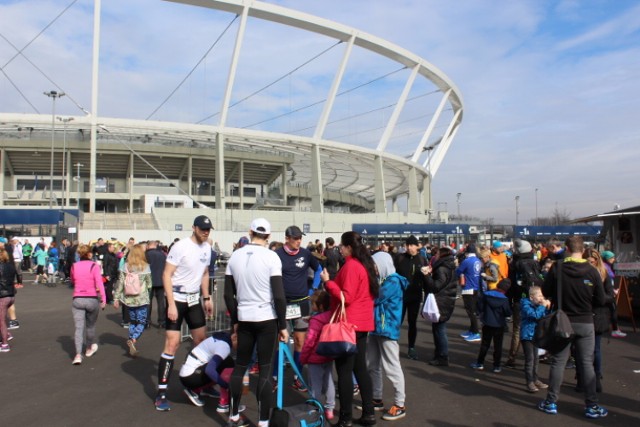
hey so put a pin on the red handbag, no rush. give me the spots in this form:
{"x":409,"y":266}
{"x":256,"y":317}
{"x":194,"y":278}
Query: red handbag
{"x":338,"y":337}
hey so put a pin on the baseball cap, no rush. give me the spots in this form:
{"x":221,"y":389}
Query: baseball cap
{"x":293,"y":231}
{"x":411,"y":240}
{"x":496,"y":244}
{"x":203,"y":222}
{"x":260,"y":225}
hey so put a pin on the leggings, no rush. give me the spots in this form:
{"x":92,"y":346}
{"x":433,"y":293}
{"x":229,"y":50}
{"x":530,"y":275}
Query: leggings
{"x":263,"y":335}
{"x":85,"y":314}
{"x":5,"y":303}
{"x":410,"y":310}
{"x":354,"y":364}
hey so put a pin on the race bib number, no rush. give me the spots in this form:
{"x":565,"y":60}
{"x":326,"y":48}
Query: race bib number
{"x":193,"y":299}
{"x":293,"y":311}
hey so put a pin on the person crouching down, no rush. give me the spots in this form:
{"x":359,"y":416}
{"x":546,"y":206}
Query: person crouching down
{"x":208,"y":364}
{"x":494,"y":309}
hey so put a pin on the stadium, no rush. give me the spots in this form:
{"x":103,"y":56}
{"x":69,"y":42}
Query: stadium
{"x":295,"y":163}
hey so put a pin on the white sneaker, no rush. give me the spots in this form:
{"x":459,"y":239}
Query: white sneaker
{"x":91,"y":350}
{"x":77,"y":360}
{"x":618,"y":334}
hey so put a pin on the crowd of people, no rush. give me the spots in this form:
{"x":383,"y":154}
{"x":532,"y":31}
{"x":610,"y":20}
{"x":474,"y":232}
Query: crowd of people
{"x":274,"y":291}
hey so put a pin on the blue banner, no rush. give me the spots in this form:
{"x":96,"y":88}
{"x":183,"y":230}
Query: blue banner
{"x":407,"y":229}
{"x":560,"y":230}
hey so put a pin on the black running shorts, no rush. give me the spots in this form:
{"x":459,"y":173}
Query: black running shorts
{"x":194,"y":316}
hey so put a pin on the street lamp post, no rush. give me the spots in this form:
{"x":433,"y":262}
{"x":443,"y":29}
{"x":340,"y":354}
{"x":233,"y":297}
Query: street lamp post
{"x":53,"y":95}
{"x":458,"y":200}
{"x":517,"y":209}
{"x":536,"y":206}
{"x":65,"y":121}
{"x":79,"y":165}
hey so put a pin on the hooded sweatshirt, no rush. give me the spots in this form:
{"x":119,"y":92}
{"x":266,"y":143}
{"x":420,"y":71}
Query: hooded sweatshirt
{"x":494,"y":308}
{"x":582,"y":289}
{"x":388,"y":305}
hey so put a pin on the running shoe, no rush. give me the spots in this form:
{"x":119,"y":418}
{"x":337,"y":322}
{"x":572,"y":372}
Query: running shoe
{"x":298,"y":385}
{"x":241,"y":422}
{"x":77,"y":360}
{"x":378,"y":405}
{"x":466,"y":334}
{"x":133,"y":351}
{"x":412,"y":353}
{"x":618,"y":334}
{"x":356,"y":390}
{"x":394,"y":413}
{"x":9,"y":336}
{"x":497,"y":369}
{"x":193,"y":397}
{"x":328,"y":414}
{"x":477,"y":366}
{"x":13,"y":324}
{"x":162,"y":403}
{"x":549,"y":407}
{"x":4,"y":348}
{"x":91,"y":350}
{"x":595,"y":411}
{"x":224,"y":409}
{"x":540,"y":384}
{"x":210,"y":392}
{"x":473,"y":338}
{"x":531,"y":388}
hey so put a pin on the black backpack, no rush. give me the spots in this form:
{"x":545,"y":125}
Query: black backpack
{"x":528,"y":272}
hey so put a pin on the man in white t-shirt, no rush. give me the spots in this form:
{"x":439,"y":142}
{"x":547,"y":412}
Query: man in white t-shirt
{"x":185,"y":280}
{"x":254,"y":295}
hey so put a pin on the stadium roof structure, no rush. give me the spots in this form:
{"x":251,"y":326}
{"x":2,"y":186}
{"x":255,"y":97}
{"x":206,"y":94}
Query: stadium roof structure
{"x":329,"y":168}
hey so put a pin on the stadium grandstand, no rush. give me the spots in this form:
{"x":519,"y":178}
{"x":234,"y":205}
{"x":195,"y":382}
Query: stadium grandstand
{"x":371,"y":145}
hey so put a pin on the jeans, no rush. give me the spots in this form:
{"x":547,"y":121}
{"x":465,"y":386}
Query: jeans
{"x":597,"y":356}
{"x":138,"y":316}
{"x":85,"y":315}
{"x":530,"y":361}
{"x":440,"y":340}
{"x":158,"y":293}
{"x":584,"y":341}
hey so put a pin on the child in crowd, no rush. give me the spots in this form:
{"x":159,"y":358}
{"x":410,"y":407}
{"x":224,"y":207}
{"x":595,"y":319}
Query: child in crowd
{"x":41,"y":264}
{"x":319,"y":367}
{"x":532,"y":310}
{"x":491,"y":273}
{"x":494,"y":309}
{"x":208,"y":364}
{"x":383,"y":351}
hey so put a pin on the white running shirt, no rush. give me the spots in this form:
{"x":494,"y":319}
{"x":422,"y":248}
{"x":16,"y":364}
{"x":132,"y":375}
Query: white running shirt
{"x":252,"y":267}
{"x":191,"y":261}
{"x":203,"y":353}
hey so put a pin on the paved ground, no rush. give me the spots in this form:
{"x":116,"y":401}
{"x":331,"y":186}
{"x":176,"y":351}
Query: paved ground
{"x":41,"y":387}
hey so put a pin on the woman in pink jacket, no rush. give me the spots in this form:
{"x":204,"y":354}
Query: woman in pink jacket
{"x":358,"y":282}
{"x":88,"y":298}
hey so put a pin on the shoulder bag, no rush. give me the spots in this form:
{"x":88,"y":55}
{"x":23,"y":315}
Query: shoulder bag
{"x":338,"y":337}
{"x":554,"y":331}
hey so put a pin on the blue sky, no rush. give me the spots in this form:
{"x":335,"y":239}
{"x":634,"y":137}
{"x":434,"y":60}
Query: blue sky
{"x":551,"y":88}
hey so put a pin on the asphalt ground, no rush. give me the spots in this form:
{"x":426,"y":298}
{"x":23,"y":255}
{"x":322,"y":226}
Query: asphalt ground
{"x":40,"y":387}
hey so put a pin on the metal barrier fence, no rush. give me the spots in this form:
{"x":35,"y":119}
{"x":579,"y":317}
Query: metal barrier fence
{"x":220,"y":320}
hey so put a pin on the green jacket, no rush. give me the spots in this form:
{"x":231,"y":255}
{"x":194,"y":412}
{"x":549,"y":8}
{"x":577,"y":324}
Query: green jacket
{"x":133,"y":300}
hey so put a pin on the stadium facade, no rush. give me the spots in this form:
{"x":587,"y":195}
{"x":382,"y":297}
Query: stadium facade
{"x":105,"y":164}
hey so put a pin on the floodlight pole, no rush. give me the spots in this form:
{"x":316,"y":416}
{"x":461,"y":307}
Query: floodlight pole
{"x":53,"y":95}
{"x":65,"y":121}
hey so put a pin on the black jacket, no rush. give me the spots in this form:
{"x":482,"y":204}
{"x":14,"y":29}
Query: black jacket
{"x":442,"y":284}
{"x":582,"y":289}
{"x":602,"y":313}
{"x":409,"y":267}
{"x":333,"y":262}
{"x":7,"y":279}
{"x":110,"y":266}
{"x":156,"y":259}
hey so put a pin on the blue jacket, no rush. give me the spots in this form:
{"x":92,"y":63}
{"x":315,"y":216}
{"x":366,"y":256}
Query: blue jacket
{"x":388,"y":307}
{"x":471,"y":268}
{"x":494,"y":308}
{"x":529,"y":316}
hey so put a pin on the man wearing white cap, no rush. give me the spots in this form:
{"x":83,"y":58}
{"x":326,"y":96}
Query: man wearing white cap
{"x":254,"y":295}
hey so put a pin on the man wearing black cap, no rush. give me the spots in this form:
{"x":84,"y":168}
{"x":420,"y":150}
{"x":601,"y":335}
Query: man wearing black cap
{"x":408,"y":265}
{"x":296,"y":262}
{"x":185,"y":279}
